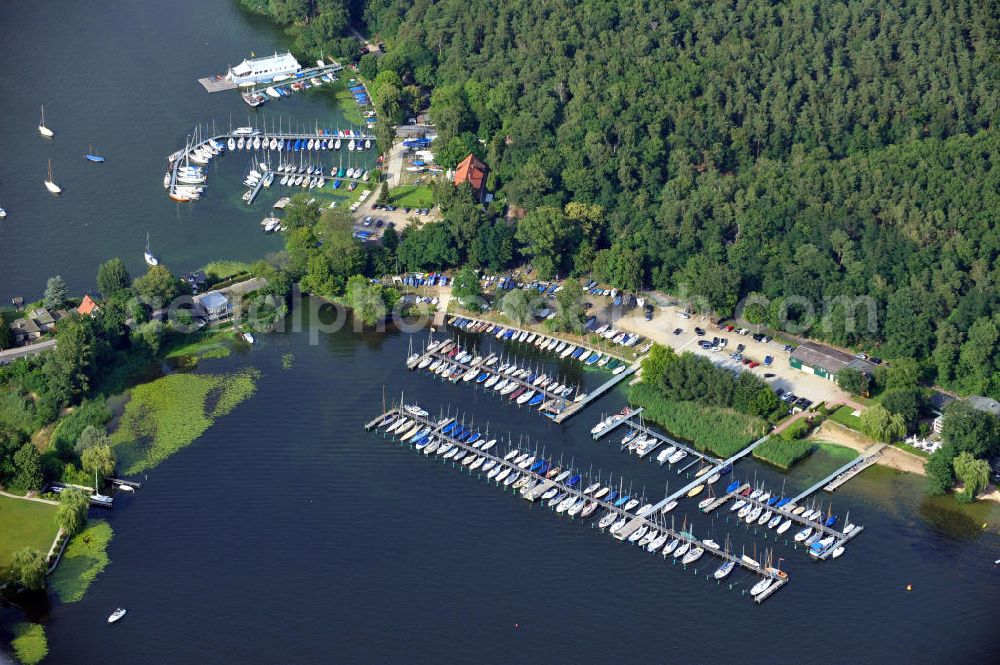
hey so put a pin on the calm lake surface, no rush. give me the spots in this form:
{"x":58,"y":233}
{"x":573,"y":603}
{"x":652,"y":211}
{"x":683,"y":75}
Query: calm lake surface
{"x":287,"y":534}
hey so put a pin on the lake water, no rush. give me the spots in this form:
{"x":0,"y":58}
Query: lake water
{"x":287,"y":534}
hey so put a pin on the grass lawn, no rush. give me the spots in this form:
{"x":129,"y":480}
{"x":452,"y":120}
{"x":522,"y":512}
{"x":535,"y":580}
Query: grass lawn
{"x":844,"y":416}
{"x":85,"y":557}
{"x":208,"y":344}
{"x":171,"y":412}
{"x":911,"y":449}
{"x":25,"y":524}
{"x":226,"y":269}
{"x":350,"y":108}
{"x":412,"y":196}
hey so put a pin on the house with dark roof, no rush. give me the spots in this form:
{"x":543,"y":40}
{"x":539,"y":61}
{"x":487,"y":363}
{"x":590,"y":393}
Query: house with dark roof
{"x":472,"y":171}
{"x":43,"y":319}
{"x":826,"y":362}
{"x":213,"y":305}
{"x":24,"y":331}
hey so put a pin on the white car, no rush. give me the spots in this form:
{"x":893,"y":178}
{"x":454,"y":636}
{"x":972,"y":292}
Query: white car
{"x":683,"y":315}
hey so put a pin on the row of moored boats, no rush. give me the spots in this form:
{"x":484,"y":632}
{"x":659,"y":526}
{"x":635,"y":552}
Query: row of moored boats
{"x":522,"y":385}
{"x":537,"y":478}
{"x":555,"y":345}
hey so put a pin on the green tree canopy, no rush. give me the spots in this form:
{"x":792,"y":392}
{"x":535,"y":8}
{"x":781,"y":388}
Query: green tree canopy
{"x":28,"y":568}
{"x":55,"y":292}
{"x":71,"y":514}
{"x":157,"y":287}
{"x":970,"y":430}
{"x":99,"y":459}
{"x":881,"y":425}
{"x":113,"y":278}
{"x":467,"y":289}
{"x":27,"y":468}
{"x":973,"y":473}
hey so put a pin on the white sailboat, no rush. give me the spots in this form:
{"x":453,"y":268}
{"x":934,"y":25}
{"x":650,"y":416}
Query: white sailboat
{"x":50,"y":184}
{"x":42,"y":129}
{"x":150,"y":259}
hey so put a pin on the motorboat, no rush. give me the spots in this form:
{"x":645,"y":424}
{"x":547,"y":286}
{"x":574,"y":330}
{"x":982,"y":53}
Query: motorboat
{"x":761,"y":586}
{"x":117,"y":615}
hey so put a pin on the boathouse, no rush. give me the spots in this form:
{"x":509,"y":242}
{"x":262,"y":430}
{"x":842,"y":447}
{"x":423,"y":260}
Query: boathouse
{"x":826,"y":362}
{"x":213,"y":305}
{"x":472,"y":171}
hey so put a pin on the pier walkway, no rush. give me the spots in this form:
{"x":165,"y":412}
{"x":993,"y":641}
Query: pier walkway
{"x":844,"y":473}
{"x":698,"y":480}
{"x":632,"y":521}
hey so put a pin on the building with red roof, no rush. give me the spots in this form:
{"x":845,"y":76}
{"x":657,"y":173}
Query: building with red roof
{"x":87,"y":306}
{"x":472,"y":171}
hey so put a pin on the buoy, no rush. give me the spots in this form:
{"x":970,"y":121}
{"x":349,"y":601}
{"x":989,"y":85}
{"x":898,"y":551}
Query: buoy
{"x":517,"y":625}
{"x":909,"y":587}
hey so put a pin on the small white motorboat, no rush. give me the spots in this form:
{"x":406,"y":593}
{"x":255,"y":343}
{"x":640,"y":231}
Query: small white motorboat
{"x":248,"y":337}
{"x":117,"y":615}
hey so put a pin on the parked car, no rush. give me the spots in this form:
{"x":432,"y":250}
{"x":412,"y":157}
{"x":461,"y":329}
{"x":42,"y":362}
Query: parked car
{"x":740,"y":348}
{"x":677,"y":331}
{"x":875,"y":361}
{"x":683,"y":315}
{"x":771,"y":375}
{"x":861,"y":356}
{"x":379,"y":223}
{"x":768,"y":360}
{"x":789,"y":397}
{"x":788,"y":348}
{"x":705,"y":344}
{"x":753,"y":363}
{"x":649,"y":314}
{"x":723,"y":342}
{"x":700,"y":332}
{"x":742,"y":331}
{"x":778,"y":391}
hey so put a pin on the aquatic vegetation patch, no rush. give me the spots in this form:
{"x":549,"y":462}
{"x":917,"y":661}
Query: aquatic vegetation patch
{"x":286,"y":360}
{"x":783,"y":452}
{"x":226,"y":269}
{"x":720,"y":431}
{"x":171,"y":412}
{"x":29,"y":643}
{"x":84,"y":559}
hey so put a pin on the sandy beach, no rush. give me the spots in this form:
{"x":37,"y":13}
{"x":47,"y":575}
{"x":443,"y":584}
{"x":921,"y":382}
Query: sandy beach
{"x":894,"y":458}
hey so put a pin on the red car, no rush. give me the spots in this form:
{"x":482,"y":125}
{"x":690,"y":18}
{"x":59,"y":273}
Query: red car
{"x":729,"y":329}
{"x":754,"y":363}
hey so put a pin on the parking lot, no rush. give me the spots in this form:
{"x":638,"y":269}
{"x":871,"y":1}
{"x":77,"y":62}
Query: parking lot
{"x":369,"y":214}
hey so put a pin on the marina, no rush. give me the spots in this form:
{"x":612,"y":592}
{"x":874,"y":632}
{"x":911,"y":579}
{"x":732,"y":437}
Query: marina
{"x":538,"y":478}
{"x":186,"y":178}
{"x":552,"y":397}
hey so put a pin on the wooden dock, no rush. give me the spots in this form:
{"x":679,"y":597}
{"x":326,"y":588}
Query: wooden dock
{"x":633,"y":523}
{"x":698,"y":480}
{"x":217,"y":83}
{"x":845,"y":472}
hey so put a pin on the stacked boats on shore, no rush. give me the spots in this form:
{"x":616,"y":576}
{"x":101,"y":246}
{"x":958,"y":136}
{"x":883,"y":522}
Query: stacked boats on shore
{"x":544,"y":342}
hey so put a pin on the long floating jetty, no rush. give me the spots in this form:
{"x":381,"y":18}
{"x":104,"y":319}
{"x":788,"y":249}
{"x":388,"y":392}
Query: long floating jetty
{"x":536,"y":480}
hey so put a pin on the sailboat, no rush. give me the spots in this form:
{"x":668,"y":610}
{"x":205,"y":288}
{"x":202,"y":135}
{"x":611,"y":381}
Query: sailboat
{"x":93,"y":156}
{"x":49,"y":184}
{"x":150,"y":259}
{"x":42,"y":129}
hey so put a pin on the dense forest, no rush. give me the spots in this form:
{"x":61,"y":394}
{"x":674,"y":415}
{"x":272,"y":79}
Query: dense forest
{"x":809,"y":149}
{"x":808,"y":152}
